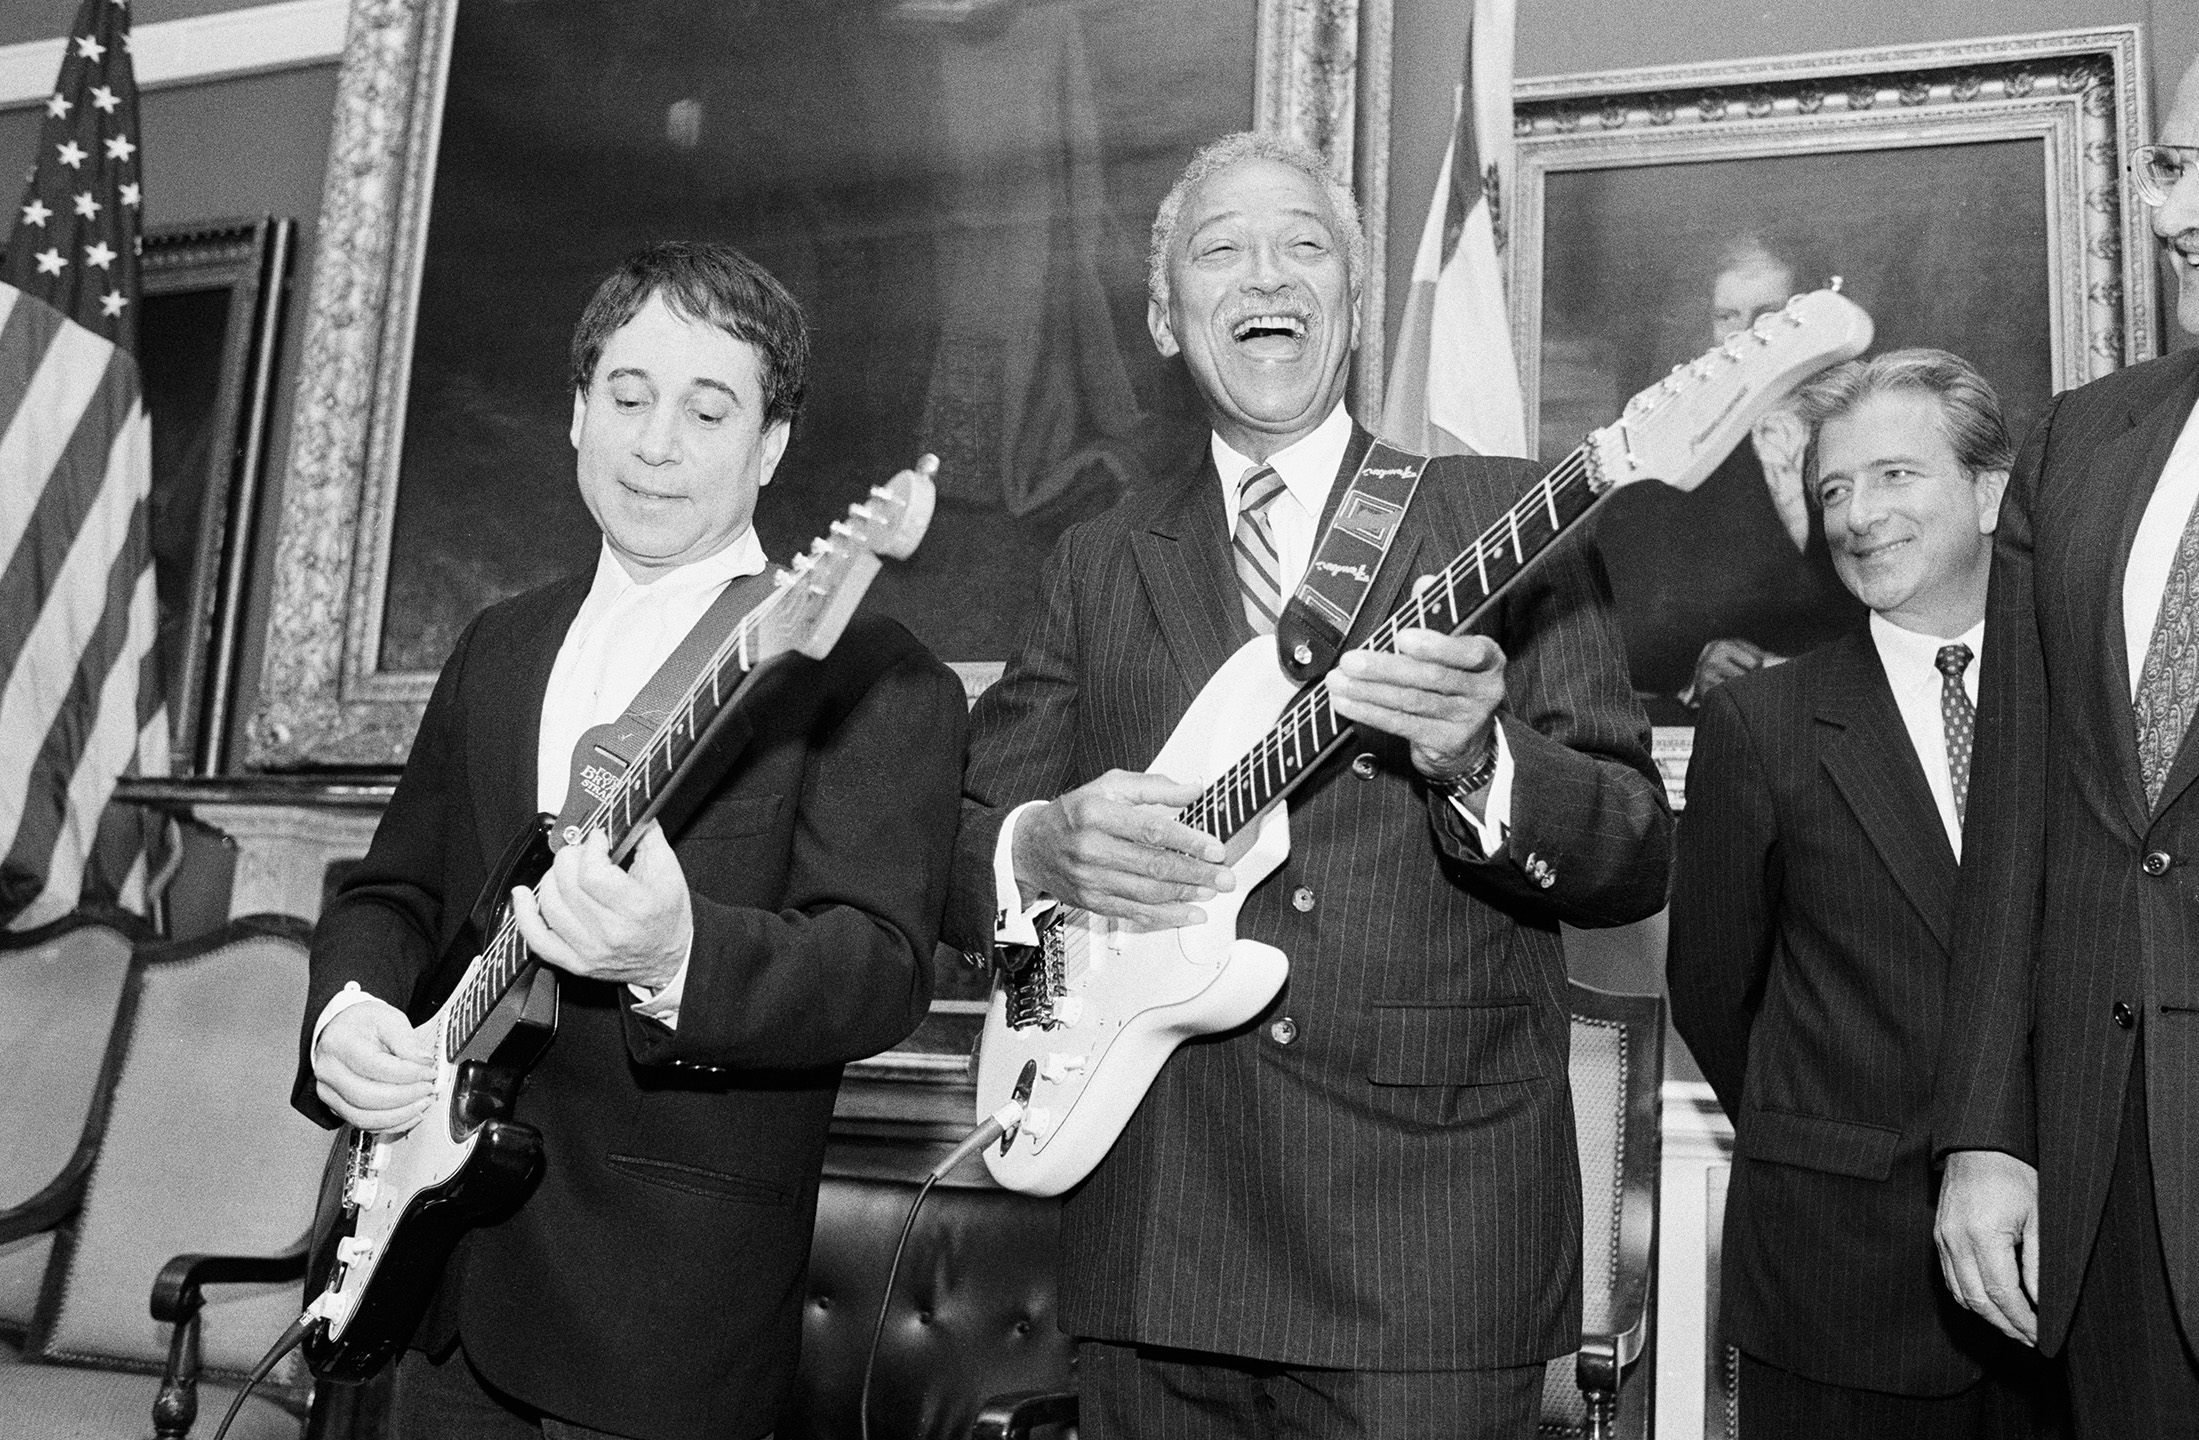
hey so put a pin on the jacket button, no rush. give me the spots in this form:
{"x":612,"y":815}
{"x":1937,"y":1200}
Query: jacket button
{"x":1362,"y":764}
{"x":1301,"y":899}
{"x":2124,"y":1015}
{"x":2155,"y":864}
{"x":1283,"y":1031}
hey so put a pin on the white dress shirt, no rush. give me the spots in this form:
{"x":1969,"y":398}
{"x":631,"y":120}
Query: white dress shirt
{"x":2153,"y":548}
{"x":1308,"y":469}
{"x":625,"y":630}
{"x":1912,"y":669}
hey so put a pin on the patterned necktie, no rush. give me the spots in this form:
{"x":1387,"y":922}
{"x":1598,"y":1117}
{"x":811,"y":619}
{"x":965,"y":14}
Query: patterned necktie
{"x":1258,"y":563}
{"x":2168,"y":682}
{"x":1958,"y":720}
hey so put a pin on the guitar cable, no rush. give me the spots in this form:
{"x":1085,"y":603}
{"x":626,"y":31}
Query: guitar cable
{"x":999,"y":1123}
{"x":292,"y":1337}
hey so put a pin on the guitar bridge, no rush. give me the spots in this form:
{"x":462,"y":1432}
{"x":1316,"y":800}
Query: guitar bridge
{"x":1034,"y":986}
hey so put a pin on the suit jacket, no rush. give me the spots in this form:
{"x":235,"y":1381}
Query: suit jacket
{"x":2074,"y":941}
{"x":1812,"y":914}
{"x":1395,"y":1186}
{"x":652,"y":1283}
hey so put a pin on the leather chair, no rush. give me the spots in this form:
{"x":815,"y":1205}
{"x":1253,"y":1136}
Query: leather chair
{"x":197,"y":1194}
{"x":61,"y":993}
{"x":1618,"y":1065}
{"x":970,"y":1346}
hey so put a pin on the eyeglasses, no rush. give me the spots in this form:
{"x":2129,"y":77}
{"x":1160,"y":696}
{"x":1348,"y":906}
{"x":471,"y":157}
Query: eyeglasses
{"x":2156,"y":169}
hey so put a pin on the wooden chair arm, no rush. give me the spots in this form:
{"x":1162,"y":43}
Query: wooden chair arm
{"x":1014,"y":1416}
{"x":176,"y":1289}
{"x":177,"y":1299}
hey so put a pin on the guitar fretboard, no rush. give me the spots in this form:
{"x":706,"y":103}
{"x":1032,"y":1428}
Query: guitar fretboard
{"x":1309,"y":730}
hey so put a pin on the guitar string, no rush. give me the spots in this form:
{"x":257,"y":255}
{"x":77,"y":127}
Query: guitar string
{"x":1230,"y":803}
{"x":505,"y":954}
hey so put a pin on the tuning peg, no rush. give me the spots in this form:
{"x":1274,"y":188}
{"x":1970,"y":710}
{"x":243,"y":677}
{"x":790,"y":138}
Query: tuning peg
{"x":820,"y":545}
{"x":862,"y":512}
{"x":1833,"y":284}
{"x":927,"y":465}
{"x":840,"y":527}
{"x":802,"y":563}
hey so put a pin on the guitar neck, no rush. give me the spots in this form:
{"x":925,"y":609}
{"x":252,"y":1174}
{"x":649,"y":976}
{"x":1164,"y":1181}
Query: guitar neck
{"x":1309,"y":730}
{"x":622,"y":813}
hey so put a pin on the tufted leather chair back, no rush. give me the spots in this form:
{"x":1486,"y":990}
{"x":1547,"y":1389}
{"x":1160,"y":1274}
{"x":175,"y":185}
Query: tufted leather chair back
{"x":972,"y":1317}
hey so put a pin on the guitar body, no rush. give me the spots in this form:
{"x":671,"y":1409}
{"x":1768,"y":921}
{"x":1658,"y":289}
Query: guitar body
{"x":408,"y":1199}
{"x":1080,"y":1033}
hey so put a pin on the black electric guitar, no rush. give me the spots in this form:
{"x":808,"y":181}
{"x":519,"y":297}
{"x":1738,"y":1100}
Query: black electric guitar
{"x":407,"y":1199}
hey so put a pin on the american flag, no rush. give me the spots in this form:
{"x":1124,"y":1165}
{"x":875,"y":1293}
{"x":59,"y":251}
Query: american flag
{"x":1453,"y":387}
{"x":80,"y":698}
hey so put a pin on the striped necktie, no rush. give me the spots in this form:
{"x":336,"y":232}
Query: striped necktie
{"x":1259,"y":564}
{"x":2168,"y":682}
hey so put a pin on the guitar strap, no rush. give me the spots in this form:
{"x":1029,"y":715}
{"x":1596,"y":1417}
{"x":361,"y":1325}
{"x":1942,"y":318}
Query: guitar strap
{"x":603,"y":754}
{"x":1310,"y":635}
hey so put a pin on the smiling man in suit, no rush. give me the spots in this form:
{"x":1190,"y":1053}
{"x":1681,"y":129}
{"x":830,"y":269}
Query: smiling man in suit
{"x":1812,"y":919}
{"x":1360,"y":1214}
{"x":650,"y":1287}
{"x":2068,"y":1108}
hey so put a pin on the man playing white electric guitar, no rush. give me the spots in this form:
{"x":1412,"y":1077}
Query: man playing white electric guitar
{"x":1359,"y":1214}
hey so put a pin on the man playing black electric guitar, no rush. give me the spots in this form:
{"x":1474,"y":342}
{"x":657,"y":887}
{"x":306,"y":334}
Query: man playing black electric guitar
{"x":651,"y":1285}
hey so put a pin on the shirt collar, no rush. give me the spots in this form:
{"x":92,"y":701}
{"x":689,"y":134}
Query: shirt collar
{"x":1308,"y":465}
{"x":744,"y":556}
{"x":1916,"y":653}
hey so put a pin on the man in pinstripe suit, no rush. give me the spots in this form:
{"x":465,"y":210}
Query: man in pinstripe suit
{"x":1812,"y":916}
{"x":2069,"y":1109}
{"x":1360,"y":1214}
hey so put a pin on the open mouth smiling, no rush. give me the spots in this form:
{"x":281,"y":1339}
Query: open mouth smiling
{"x":1274,"y":326}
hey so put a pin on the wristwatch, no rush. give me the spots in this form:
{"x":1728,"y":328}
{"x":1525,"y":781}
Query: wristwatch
{"x":1477,"y":779}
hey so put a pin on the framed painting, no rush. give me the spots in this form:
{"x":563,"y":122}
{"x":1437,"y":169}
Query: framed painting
{"x":209,"y":332}
{"x":958,"y":191}
{"x":1969,"y":196}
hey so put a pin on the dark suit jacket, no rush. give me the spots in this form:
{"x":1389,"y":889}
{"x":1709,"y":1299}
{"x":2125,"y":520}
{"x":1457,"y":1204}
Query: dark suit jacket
{"x":1397,"y":1187}
{"x":652,"y":1283}
{"x":1812,"y":912}
{"x":2062,"y":927}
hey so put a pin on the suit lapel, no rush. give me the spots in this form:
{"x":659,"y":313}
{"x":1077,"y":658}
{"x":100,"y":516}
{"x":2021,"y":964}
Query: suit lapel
{"x":1875,"y":767}
{"x":1182,"y":555}
{"x":504,"y":735}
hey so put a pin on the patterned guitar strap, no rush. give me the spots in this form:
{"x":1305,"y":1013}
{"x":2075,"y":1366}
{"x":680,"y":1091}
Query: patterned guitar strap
{"x":1311,"y":634}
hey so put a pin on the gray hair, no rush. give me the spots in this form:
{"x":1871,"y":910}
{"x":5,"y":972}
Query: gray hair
{"x":1969,"y":409}
{"x":1217,"y":156}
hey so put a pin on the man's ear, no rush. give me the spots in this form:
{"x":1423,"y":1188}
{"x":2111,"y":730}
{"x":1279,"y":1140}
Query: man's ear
{"x":580,"y":412}
{"x":775,"y":438}
{"x":1156,"y":322}
{"x":1992,"y":485}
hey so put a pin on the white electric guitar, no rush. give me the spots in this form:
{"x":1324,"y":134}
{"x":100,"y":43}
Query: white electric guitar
{"x":1077,"y":1029}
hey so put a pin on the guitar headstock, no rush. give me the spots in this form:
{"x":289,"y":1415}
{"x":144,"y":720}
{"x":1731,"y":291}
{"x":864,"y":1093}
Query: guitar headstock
{"x":821,"y":588}
{"x":1680,"y":428}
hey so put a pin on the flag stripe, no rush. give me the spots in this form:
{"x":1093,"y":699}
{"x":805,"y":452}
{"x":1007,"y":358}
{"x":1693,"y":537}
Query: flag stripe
{"x":42,"y":682}
{"x":48,"y":384}
{"x":75,"y":477}
{"x":107,"y":753}
{"x":68,"y":734}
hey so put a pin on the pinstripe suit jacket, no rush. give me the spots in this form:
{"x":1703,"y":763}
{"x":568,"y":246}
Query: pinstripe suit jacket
{"x":1396,"y":1188}
{"x":2059,"y":921}
{"x":1812,"y":912}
